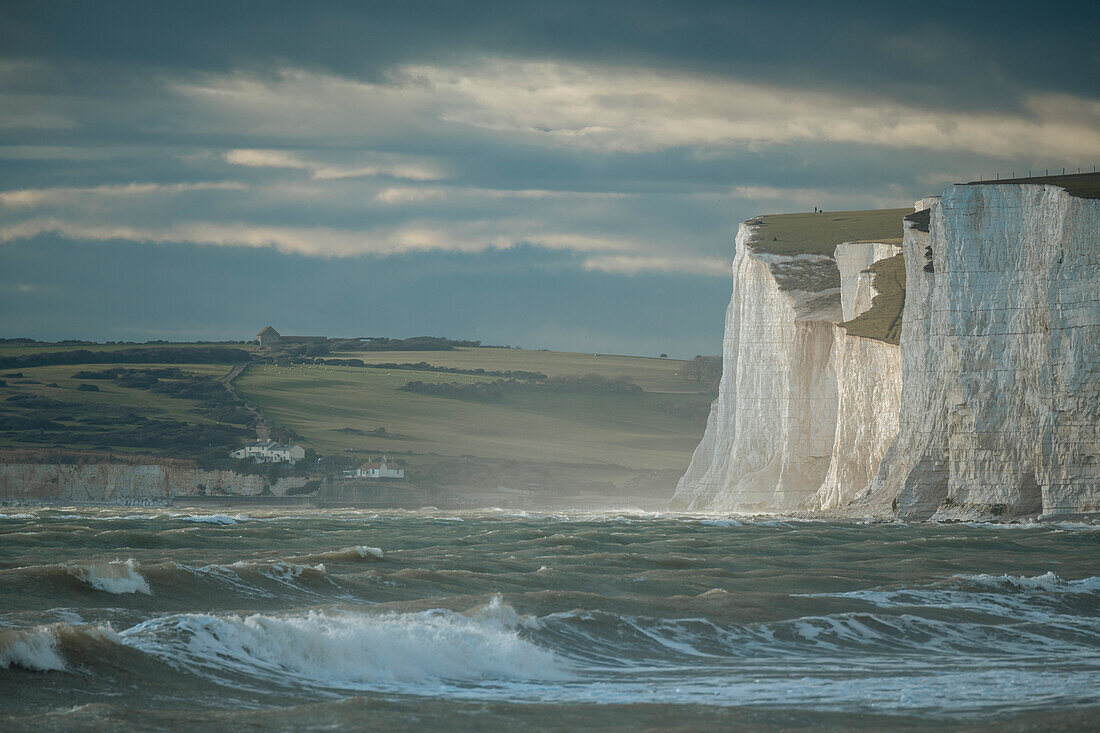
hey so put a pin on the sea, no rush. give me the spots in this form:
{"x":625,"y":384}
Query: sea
{"x":176,"y":619}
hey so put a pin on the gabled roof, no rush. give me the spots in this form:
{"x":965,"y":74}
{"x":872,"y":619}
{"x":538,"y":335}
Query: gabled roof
{"x":371,"y":464}
{"x":268,"y":331}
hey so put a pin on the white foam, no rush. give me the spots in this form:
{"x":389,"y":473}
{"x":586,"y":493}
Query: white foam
{"x":351,"y":552}
{"x":348,"y":650}
{"x":1005,"y":525}
{"x":1077,"y":526}
{"x":282,"y":571}
{"x":1039,"y":599}
{"x":720,"y":522}
{"x":17,"y":516}
{"x":35,"y":649}
{"x":222,"y":519}
{"x":1048,"y":582}
{"x":116,"y":576}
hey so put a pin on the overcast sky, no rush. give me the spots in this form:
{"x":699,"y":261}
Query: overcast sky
{"x":553,"y":174}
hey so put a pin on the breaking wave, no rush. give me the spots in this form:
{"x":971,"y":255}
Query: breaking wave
{"x":117,"y":576}
{"x":348,"y":650}
{"x":31,"y":649}
{"x":347,"y":554}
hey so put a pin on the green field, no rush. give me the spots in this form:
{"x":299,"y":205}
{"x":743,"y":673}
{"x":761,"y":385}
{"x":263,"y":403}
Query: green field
{"x":793,"y":234}
{"x":325,"y":403}
{"x":61,"y":415}
{"x":529,"y":436}
{"x":39,"y":380}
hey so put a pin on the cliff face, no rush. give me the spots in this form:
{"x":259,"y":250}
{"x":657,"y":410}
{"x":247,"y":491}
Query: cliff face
{"x":989,"y":409}
{"x":772,"y":440}
{"x":868,"y":376}
{"x":1000,"y":410}
{"x":123,"y":483}
{"x":768,"y":437}
{"x":857,"y":289}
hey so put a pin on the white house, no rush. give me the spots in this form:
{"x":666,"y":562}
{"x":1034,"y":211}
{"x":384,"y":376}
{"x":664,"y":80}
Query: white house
{"x":380,"y":469}
{"x":271,"y":452}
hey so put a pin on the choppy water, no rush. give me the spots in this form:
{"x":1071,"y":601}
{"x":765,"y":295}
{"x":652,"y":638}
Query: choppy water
{"x":113,"y":619}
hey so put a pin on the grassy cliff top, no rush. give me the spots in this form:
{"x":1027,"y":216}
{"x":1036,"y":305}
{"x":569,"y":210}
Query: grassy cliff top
{"x":1081,"y":185}
{"x":883,"y":320}
{"x":793,"y":234}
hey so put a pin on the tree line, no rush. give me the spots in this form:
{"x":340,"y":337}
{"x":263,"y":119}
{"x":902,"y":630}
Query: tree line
{"x":494,"y":391}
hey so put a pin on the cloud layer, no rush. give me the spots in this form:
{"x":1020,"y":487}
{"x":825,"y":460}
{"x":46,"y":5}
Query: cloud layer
{"x":624,"y":141}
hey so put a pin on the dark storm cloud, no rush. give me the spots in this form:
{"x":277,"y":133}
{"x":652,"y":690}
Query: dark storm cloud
{"x":969,"y":53}
{"x":555,"y":174}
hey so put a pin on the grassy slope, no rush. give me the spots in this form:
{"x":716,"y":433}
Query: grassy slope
{"x":882,"y":321}
{"x":37,"y":381}
{"x":635,"y":431}
{"x":821,"y":233}
{"x":626,"y":430}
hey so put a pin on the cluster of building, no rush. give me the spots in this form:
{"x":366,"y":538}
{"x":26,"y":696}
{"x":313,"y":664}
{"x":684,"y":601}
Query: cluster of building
{"x":376,"y":469}
{"x":269,"y":451}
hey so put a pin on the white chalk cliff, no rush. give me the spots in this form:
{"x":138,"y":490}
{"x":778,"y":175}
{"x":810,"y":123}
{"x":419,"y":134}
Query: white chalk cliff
{"x":771,"y":441}
{"x":990,"y":408}
{"x":1000,"y":412}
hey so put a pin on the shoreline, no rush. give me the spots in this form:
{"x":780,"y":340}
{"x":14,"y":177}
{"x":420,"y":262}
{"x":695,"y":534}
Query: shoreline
{"x":732,"y":518}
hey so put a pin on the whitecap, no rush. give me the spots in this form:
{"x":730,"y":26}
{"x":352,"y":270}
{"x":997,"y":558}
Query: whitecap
{"x":33,"y":649}
{"x":221,"y":519}
{"x":116,"y":576}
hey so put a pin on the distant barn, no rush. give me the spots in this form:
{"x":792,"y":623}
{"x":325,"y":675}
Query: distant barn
{"x":268,"y":336}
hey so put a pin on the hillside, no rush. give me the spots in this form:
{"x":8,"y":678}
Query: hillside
{"x":555,"y":427}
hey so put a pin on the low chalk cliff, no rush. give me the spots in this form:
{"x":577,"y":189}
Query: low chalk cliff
{"x":990,"y":408}
{"x":1000,"y":414}
{"x":125,"y":483}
